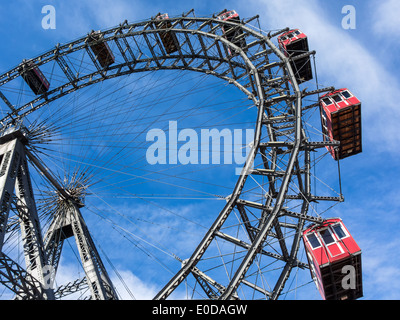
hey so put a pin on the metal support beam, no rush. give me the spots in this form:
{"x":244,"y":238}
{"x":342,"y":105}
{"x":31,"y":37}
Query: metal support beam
{"x":35,"y":256}
{"x":14,"y":176}
{"x":8,"y":171}
{"x":96,"y":274}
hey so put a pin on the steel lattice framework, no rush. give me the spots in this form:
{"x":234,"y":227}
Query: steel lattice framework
{"x":279,"y":153}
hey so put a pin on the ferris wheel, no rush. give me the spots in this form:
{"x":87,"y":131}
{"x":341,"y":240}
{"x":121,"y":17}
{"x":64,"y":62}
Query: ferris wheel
{"x":111,"y":161}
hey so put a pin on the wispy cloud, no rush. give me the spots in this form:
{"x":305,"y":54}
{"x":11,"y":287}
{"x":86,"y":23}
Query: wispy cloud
{"x":381,"y":279}
{"x":133,"y":287}
{"x":386,"y":18}
{"x":76,"y":18}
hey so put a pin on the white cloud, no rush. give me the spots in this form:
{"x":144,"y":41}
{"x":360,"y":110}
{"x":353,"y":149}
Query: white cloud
{"x":386,"y":18}
{"x":141,"y":290}
{"x":77,"y":18}
{"x":380,"y":273}
{"x":108,"y":14}
{"x":138,"y":288}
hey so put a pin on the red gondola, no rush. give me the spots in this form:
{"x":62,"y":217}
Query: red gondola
{"x":341,"y":121}
{"x":335,"y":260}
{"x":294,"y":43}
{"x":34,"y":77}
{"x":168,"y":38}
{"x":101,"y":50}
{"x":233,"y":34}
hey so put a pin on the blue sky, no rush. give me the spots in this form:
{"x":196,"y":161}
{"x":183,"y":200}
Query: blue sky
{"x":363,"y":59}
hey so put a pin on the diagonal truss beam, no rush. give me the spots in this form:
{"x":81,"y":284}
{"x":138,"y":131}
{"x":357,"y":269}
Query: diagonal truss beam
{"x":18,"y":280}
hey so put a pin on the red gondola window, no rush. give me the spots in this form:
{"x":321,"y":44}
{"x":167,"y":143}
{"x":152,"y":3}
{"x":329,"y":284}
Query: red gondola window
{"x":337,"y":98}
{"x":346,"y":94}
{"x":340,"y":231}
{"x":291,"y":35}
{"x":313,"y":240}
{"x":327,"y":236}
{"x":327,"y":101}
